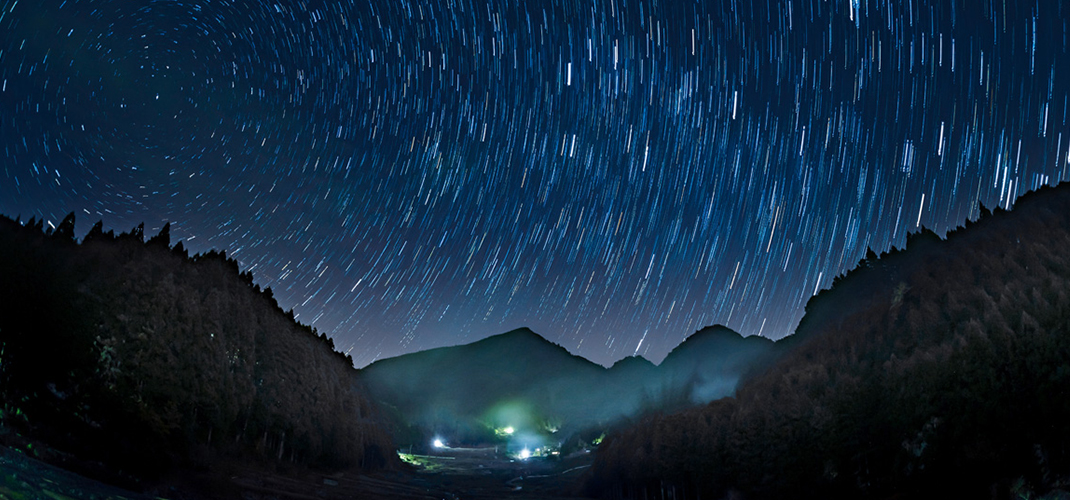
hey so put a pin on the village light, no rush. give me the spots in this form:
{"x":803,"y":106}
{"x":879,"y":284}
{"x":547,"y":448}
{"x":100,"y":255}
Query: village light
{"x":439,"y":444}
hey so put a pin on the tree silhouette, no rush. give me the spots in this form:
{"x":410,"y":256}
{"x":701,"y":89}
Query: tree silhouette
{"x":938,"y":370}
{"x":136,"y":355}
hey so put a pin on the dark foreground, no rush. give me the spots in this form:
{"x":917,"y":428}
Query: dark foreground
{"x":469,"y":473}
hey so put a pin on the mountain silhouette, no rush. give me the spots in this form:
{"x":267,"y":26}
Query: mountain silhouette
{"x":634,"y":371}
{"x":457,"y":390}
{"x":937,"y":370}
{"x":713,"y":360}
{"x":466,"y":392}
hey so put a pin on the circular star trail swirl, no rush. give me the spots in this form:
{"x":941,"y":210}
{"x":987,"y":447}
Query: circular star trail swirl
{"x":614,"y":174}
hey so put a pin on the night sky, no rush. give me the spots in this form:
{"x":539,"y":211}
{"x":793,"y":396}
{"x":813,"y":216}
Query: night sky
{"x":614,"y":174}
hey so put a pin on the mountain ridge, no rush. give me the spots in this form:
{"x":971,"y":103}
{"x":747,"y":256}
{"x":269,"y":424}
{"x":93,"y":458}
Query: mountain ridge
{"x":527,"y":332}
{"x":937,"y":370}
{"x":450,"y":390}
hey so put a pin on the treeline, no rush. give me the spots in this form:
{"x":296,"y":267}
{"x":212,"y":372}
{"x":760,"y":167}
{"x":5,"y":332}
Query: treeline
{"x":940,"y":370}
{"x":135,"y":354}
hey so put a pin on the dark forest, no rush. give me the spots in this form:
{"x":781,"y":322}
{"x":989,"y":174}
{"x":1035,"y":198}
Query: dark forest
{"x":940,"y":369}
{"x":137,"y":356}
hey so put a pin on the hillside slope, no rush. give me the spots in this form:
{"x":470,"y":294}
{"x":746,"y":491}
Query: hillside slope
{"x":139,"y":356}
{"x":942,"y":369}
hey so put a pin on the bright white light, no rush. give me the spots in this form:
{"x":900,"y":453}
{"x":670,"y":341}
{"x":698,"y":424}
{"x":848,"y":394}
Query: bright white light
{"x":438,"y":444}
{"x":525,"y":454}
{"x":509,"y":430}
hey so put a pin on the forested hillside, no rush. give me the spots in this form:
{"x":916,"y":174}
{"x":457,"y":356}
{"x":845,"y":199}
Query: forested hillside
{"x":938,"y":371}
{"x":137,"y":355}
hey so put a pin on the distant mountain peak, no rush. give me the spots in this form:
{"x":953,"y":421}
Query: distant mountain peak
{"x":518,"y":335}
{"x":520,"y":332}
{"x":633,"y":361}
{"x":700,"y":346}
{"x":714,"y":330}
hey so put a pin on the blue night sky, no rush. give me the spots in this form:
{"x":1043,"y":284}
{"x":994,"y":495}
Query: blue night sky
{"x":614,"y":174}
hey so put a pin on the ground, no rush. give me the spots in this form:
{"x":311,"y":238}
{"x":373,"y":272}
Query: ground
{"x":451,"y":473}
{"x":24,"y":478}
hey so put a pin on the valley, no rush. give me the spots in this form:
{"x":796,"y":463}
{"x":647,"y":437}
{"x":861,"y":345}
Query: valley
{"x":935,"y":370}
{"x":448,"y":473}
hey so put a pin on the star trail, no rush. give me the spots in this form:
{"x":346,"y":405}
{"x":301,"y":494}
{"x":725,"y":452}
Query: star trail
{"x":614,"y":174}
